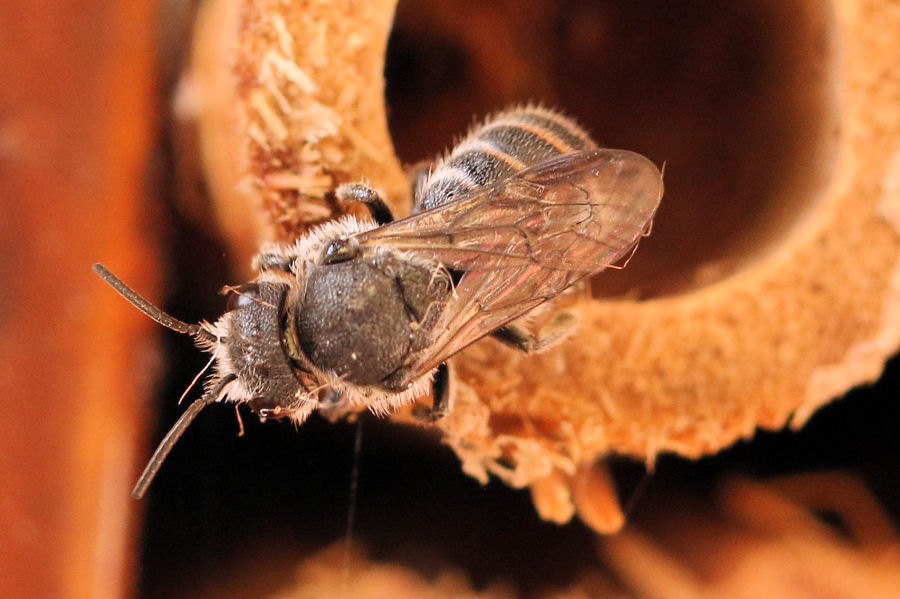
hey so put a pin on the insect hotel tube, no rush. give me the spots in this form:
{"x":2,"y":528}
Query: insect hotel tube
{"x":766,"y":294}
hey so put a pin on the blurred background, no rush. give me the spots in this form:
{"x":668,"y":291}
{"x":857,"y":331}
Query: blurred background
{"x":92,"y":169}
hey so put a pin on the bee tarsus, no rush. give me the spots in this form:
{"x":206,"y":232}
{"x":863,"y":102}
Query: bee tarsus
{"x":560,"y":325}
{"x":371,"y":198}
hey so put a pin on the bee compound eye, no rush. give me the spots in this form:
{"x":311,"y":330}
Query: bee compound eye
{"x":242,"y":296}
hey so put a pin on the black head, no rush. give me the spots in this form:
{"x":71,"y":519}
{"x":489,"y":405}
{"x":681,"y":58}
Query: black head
{"x":252,"y":365}
{"x":255,"y":348}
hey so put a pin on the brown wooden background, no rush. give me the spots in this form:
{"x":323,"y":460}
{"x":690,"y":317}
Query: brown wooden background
{"x":77,"y":112}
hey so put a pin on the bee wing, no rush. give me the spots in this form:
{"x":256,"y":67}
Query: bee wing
{"x":525,"y":239}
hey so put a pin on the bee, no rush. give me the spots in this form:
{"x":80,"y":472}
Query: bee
{"x":366,"y":313}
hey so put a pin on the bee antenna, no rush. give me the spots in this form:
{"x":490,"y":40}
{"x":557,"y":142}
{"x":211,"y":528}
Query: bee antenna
{"x":168,"y":442}
{"x":168,"y":321}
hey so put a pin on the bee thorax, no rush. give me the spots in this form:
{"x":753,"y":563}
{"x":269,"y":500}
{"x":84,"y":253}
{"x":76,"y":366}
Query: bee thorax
{"x":361,"y":319}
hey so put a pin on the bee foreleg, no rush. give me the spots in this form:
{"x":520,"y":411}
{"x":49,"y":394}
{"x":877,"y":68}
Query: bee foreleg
{"x":273,"y":261}
{"x":333,"y":405}
{"x":372,"y":198}
{"x":557,"y":329}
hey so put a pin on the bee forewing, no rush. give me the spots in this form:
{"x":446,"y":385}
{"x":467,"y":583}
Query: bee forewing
{"x":525,"y":239}
{"x":586,"y":208}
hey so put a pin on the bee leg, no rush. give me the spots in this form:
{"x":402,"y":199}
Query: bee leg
{"x":443,"y":399}
{"x":559,"y":327}
{"x":333,"y":405}
{"x":273,"y":261}
{"x":372,"y":198}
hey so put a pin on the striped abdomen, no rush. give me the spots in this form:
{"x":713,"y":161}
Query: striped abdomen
{"x":505,"y":144}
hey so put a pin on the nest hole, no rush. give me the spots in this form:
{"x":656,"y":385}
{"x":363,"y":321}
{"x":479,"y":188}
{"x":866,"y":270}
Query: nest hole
{"x":739,"y":103}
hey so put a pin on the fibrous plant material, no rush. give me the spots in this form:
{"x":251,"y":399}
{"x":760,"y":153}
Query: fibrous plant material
{"x":764,"y":539}
{"x":762,"y":339}
{"x":289,"y":101}
{"x":754,"y":539}
{"x":329,"y":574}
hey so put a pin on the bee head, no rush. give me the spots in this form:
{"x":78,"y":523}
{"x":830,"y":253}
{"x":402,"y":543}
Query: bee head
{"x":254,"y":348}
{"x":248,"y":347}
